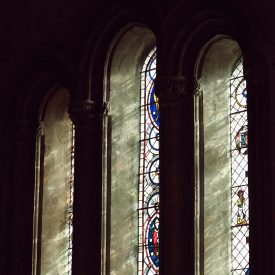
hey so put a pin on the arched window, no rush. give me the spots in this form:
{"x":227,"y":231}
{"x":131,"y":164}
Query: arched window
{"x":148,"y":258}
{"x":52,"y":249}
{"x":127,"y":140}
{"x":222,"y":192}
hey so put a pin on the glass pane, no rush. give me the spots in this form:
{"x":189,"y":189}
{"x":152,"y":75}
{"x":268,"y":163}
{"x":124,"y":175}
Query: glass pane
{"x":148,"y":252}
{"x":239,"y":170}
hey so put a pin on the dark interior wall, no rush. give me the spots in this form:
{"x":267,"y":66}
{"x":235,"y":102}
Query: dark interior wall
{"x":70,"y":26}
{"x":67,"y":24}
{"x":44,"y":43}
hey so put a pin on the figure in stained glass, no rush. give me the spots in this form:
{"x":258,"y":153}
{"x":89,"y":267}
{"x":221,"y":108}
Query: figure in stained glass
{"x":239,"y":171}
{"x":241,"y":140}
{"x":154,"y":107}
{"x":241,"y":217}
{"x":153,"y":241}
{"x":148,"y":255}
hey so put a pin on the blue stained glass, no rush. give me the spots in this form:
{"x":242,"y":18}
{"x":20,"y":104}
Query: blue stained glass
{"x":244,"y":93}
{"x":153,"y":241}
{"x":148,"y":212}
{"x":241,"y":140}
{"x":154,"y":107}
{"x":240,"y":93}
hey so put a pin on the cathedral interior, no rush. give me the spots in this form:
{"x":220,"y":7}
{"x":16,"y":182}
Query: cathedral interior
{"x":124,"y":129}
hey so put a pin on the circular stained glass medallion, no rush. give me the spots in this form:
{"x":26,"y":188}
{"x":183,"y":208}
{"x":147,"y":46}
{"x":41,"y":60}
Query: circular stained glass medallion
{"x":241,"y":94}
{"x":154,"y":140}
{"x":154,"y":107}
{"x":153,"y":242}
{"x":151,"y":68}
{"x":153,"y":172}
{"x":153,"y":204}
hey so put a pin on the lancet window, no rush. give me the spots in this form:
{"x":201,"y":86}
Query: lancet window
{"x":148,"y":254}
{"x":53,"y":212}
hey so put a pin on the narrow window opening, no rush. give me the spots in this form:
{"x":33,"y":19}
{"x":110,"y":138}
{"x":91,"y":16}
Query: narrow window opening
{"x":128,"y":163}
{"x":239,"y":170}
{"x":53,"y":213}
{"x":148,"y":255}
{"x":222,"y":220}
{"x":71,"y":201}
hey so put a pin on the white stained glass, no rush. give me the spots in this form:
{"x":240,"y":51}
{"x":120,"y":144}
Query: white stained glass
{"x":239,"y":171}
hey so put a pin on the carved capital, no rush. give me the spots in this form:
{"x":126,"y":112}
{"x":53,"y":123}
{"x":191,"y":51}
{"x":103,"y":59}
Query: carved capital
{"x":22,"y":133}
{"x":82,"y":112}
{"x":174,"y":87}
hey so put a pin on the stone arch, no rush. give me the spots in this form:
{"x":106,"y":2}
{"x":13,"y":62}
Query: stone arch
{"x":53,"y":196}
{"x":250,"y":40}
{"x":221,"y":23}
{"x":35,"y":74}
{"x":91,"y":69}
{"x":213,"y":160}
{"x":39,"y":70}
{"x":197,"y":26}
{"x":177,"y":73}
{"x":121,"y":157}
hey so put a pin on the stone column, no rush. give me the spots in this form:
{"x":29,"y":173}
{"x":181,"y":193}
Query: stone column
{"x":259,"y":162}
{"x":87,"y":118}
{"x":22,"y":137}
{"x":176,"y":175}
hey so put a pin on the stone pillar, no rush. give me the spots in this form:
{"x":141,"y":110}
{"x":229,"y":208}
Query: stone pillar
{"x":176,"y":175}
{"x":22,"y":137}
{"x":87,"y":118}
{"x":259,"y":159}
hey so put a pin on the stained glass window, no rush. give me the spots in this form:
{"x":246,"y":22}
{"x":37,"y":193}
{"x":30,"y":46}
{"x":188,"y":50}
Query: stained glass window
{"x":70,"y":205}
{"x":148,"y":212}
{"x":239,"y":171}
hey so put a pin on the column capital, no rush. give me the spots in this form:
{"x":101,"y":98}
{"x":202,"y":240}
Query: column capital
{"x":174,"y":88}
{"x":82,"y":112}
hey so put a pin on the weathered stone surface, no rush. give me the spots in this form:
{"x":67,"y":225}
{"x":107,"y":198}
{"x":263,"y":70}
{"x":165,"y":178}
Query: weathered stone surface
{"x":125,"y":134}
{"x":56,"y":185}
{"x":216,"y":210}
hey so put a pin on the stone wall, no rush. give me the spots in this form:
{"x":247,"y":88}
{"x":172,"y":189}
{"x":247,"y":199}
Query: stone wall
{"x":217,"y":65}
{"x":124,"y":133}
{"x":56,"y":185}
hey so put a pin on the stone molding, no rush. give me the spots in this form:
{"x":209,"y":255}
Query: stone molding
{"x":83,"y":112}
{"x":175,"y":87}
{"x":197,"y":89}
